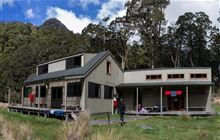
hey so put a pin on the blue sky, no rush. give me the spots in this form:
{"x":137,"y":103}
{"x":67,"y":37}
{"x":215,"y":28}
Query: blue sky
{"x":77,"y":14}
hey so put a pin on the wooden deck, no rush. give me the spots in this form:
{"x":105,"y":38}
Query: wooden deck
{"x":171,"y":113}
{"x":38,"y":111}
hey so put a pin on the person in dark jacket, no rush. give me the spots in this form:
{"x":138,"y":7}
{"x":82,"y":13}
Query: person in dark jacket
{"x":121,"y":109}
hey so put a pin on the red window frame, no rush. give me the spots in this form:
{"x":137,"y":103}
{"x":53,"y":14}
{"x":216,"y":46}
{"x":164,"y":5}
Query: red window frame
{"x":195,"y":76}
{"x":153,"y":77}
{"x":173,"y":76}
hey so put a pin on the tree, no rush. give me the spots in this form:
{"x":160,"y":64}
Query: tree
{"x":113,"y":37}
{"x":193,"y":30}
{"x":173,"y":45}
{"x":120,"y":35}
{"x":147,"y":17}
{"x":215,"y":53}
{"x":23,"y":46}
{"x":98,"y":36}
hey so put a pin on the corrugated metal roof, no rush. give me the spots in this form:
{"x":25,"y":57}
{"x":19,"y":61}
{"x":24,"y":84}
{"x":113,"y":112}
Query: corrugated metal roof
{"x":81,"y":71}
{"x":166,"y":68}
{"x":164,"y":84}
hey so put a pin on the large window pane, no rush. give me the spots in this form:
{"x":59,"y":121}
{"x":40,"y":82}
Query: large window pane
{"x":43,"y":69}
{"x":74,"y":89}
{"x":43,"y":91}
{"x":108,"y":92}
{"x":73,"y":62}
{"x":94,"y":90}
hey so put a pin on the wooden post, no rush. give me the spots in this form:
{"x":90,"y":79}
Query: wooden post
{"x":9,"y":95}
{"x":112,"y":107}
{"x":114,"y":94}
{"x":137,"y":100}
{"x":22,"y":95}
{"x":65,"y":95}
{"x":161,"y":99}
{"x":67,"y":117}
{"x":208,"y":107}
{"x":187,"y":100}
{"x":38,"y":98}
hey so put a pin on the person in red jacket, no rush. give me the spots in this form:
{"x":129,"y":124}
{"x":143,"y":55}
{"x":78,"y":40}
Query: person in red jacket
{"x":115,"y":105}
{"x":31,"y":98}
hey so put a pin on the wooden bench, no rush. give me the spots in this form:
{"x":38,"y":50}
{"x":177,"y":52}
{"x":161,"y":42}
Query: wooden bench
{"x":196,"y":108}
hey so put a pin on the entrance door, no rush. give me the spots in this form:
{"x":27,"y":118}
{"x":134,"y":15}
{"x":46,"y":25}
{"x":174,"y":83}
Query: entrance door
{"x":176,"y":103}
{"x":56,"y":97}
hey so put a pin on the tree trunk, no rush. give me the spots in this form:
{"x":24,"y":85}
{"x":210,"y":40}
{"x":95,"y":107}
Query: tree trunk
{"x":191,"y":61}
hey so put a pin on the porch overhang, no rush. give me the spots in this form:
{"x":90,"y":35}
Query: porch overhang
{"x":156,"y":84}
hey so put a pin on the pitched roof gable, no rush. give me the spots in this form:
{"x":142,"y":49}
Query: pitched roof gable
{"x":81,"y":71}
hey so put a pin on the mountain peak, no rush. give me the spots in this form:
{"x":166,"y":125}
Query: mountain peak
{"x":54,"y":23}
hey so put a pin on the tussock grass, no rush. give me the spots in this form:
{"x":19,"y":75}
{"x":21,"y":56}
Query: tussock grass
{"x":166,"y":128}
{"x":78,"y":129}
{"x":184,"y":116}
{"x":11,"y":130}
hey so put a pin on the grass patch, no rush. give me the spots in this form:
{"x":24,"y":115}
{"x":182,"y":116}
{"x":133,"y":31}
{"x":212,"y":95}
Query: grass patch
{"x":105,"y":117}
{"x":151,"y":128}
{"x":216,"y":107}
{"x":43,"y":128}
{"x":167,"y":128}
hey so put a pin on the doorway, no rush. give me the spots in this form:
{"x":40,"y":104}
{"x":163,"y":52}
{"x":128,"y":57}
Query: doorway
{"x":56,"y":97}
{"x":176,"y":102}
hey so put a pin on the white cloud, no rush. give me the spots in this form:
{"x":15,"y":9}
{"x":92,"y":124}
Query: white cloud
{"x":112,"y":9}
{"x":115,"y":8}
{"x":179,"y":7}
{"x":69,"y":19}
{"x":29,"y":13}
{"x":4,"y":2}
{"x":83,"y":3}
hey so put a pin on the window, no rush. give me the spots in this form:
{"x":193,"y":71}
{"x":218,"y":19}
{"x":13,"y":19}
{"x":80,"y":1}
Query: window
{"x":27,"y":90}
{"x":94,"y":90}
{"x":108,"y":92}
{"x":153,"y":77}
{"x":56,"y":92}
{"x":73,"y":62}
{"x":108,"y":67}
{"x":198,"y":75}
{"x":43,"y":69}
{"x":43,"y":91}
{"x":74,"y":89}
{"x":175,"y":76}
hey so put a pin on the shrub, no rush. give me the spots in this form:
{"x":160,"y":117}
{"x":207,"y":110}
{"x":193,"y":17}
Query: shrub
{"x":185,"y":116}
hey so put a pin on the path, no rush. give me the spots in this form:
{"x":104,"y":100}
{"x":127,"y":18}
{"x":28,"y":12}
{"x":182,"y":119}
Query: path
{"x":116,"y":120}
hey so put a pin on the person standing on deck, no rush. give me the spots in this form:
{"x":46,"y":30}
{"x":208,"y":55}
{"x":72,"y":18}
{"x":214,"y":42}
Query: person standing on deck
{"x":121,"y":109}
{"x":31,"y":98}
